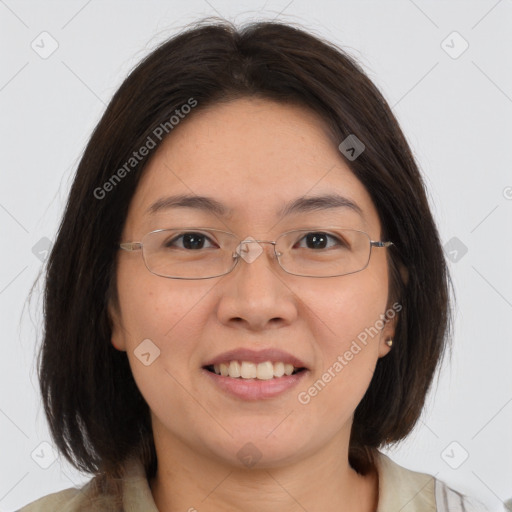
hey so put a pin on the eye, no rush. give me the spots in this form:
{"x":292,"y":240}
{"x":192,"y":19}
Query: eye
{"x":190,"y":240}
{"x":320,"y":240}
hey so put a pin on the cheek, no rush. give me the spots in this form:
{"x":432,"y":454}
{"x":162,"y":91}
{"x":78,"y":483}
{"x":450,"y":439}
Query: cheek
{"x":162,"y":324}
{"x":163,"y":321}
{"x":350,"y":308}
{"x":156,"y":308}
{"x":347,"y":326}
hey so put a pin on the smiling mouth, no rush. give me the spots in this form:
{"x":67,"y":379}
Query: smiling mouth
{"x":247,"y":370}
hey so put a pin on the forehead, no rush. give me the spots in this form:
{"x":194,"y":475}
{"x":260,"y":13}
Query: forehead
{"x":255,"y":157}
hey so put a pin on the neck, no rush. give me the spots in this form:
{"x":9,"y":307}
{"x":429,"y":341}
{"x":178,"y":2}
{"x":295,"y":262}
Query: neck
{"x":188,"y":481}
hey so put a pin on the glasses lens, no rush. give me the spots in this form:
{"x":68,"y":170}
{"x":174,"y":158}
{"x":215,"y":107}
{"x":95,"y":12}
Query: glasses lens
{"x":197,"y":253}
{"x":189,"y":253}
{"x":325,"y":252}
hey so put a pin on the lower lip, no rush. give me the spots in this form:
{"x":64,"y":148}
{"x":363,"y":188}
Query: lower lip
{"x":255,"y":389}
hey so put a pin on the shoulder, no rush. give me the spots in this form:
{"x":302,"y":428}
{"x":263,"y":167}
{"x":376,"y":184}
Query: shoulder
{"x":74,"y":500}
{"x":67,"y":500}
{"x":132,"y":494}
{"x":410,"y":491}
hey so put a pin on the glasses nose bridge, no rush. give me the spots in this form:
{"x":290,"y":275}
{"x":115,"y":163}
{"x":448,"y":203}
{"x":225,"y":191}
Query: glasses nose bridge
{"x":250,"y":253}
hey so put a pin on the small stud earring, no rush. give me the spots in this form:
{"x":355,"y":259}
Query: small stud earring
{"x":389,"y":343}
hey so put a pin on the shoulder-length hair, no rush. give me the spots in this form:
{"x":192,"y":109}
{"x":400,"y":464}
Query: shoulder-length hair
{"x":96,"y":414}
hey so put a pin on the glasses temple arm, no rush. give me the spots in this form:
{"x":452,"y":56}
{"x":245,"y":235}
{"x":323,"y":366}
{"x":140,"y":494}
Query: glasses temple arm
{"x":131,"y":246}
{"x":381,"y":244}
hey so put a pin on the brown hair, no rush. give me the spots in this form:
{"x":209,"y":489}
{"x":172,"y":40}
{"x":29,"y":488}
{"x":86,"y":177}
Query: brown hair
{"x":97,"y":416}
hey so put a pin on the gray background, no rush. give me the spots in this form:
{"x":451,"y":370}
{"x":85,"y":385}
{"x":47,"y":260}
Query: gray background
{"x":455,"y":108}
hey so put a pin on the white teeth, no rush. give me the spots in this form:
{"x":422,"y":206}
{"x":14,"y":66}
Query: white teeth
{"x":288,"y":369}
{"x":235,"y":369}
{"x":248,"y":370}
{"x":278,"y":369}
{"x":265,"y":371}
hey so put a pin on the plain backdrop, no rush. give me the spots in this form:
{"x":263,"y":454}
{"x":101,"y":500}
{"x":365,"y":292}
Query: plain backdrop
{"x":444,"y":67}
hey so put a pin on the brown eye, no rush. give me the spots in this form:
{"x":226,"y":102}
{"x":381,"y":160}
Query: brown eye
{"x":320,"y":240}
{"x":192,"y":241}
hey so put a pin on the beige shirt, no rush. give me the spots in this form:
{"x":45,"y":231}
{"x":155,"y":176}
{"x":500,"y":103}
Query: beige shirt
{"x":400,"y":490}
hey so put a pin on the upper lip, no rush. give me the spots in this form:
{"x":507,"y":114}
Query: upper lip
{"x":256,"y":356}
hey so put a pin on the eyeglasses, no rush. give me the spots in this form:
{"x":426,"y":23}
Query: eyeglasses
{"x":204,"y":253}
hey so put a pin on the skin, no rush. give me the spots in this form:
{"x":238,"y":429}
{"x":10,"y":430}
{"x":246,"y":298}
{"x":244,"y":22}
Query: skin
{"x":253,"y":156}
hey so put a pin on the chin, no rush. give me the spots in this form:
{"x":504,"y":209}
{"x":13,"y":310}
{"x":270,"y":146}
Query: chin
{"x":255,"y":448}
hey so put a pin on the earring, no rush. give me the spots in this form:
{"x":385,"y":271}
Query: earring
{"x":389,"y":343}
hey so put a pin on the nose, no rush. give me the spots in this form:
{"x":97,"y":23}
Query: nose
{"x":254,"y":295}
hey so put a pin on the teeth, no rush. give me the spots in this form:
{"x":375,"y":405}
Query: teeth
{"x":248,"y":370}
{"x":265,"y":371}
{"x":235,"y":369}
{"x":278,"y":369}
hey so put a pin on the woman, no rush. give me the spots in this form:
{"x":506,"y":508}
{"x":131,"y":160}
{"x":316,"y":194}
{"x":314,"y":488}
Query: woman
{"x":248,"y":295}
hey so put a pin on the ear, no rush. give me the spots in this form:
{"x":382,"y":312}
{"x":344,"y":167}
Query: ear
{"x":390,"y":317}
{"x":388,"y":331}
{"x":404,"y":274}
{"x":117,"y":338}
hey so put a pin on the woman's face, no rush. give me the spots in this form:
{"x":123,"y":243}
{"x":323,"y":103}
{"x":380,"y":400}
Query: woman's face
{"x":253,"y":157}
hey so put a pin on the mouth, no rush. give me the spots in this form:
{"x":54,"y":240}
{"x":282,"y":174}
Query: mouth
{"x":246,"y":374}
{"x":247,"y":370}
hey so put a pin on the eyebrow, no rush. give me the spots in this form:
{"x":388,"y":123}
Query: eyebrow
{"x":299,"y":205}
